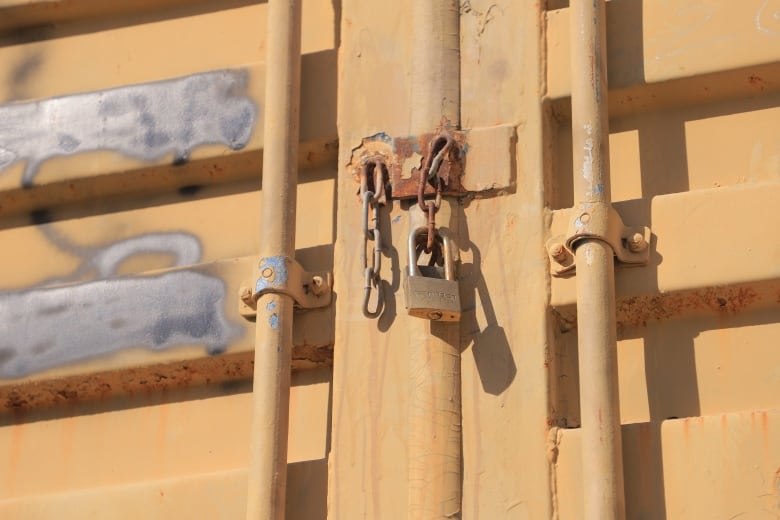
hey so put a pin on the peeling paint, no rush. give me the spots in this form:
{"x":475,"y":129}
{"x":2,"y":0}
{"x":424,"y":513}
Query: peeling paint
{"x":146,"y":121}
{"x":638,"y":310}
{"x":404,"y":157}
{"x":587,"y":158}
{"x":278,"y":278}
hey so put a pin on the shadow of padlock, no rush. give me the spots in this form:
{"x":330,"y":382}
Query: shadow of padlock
{"x":434,"y":295}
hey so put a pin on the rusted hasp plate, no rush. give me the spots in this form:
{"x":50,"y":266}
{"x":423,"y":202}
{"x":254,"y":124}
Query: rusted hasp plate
{"x":405,"y":157}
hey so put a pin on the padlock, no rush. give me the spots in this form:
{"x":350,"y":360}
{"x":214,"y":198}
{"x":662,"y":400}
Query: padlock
{"x":432,"y":296}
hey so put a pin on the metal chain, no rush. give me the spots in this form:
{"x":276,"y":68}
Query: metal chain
{"x":439,"y":149}
{"x":373,"y":198}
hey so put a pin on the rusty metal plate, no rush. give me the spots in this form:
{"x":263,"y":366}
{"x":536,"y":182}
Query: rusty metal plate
{"x":405,"y":157}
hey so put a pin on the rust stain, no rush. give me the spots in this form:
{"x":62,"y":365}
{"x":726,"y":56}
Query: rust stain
{"x":639,"y":310}
{"x":395,"y":151}
{"x":17,"y":398}
{"x":307,"y":356}
{"x":757,"y":81}
{"x":765,"y":432}
{"x":644,"y":443}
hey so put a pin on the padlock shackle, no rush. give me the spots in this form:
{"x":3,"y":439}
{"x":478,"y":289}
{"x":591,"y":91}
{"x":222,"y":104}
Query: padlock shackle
{"x":449,"y":263}
{"x":414,"y":269}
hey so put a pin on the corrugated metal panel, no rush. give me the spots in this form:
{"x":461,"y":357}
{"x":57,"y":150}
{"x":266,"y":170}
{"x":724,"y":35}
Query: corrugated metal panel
{"x":130,"y":162}
{"x":131,"y":145}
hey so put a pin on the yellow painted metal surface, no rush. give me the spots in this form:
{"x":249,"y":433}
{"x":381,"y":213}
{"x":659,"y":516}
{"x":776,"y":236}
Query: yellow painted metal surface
{"x":176,"y":452}
{"x":131,"y":145}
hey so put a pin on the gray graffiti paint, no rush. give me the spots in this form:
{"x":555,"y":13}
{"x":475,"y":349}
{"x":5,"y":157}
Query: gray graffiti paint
{"x":105,"y":261}
{"x":146,"y":122}
{"x":46,"y":327}
{"x":50,"y":327}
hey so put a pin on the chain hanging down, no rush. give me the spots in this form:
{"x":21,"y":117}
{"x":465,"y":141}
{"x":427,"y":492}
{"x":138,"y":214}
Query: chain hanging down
{"x":439,"y":149}
{"x":374,"y":198}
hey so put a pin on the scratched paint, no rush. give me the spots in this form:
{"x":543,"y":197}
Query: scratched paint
{"x":273,"y":320}
{"x":45,"y":328}
{"x":147,"y":121}
{"x":278,"y":266}
{"x":587,"y":156}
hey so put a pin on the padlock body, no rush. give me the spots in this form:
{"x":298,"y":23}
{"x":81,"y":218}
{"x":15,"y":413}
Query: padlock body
{"x":435,"y":299}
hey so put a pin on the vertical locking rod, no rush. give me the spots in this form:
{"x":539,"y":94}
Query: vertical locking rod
{"x":434,"y":359}
{"x":602,"y":459}
{"x":267,"y":476}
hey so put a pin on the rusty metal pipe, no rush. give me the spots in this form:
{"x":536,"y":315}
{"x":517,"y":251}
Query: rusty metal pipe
{"x":435,"y":415}
{"x":600,"y":410}
{"x":267,"y":477}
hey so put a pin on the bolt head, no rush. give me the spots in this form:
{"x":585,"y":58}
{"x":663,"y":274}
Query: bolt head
{"x":558,"y":252}
{"x":435,"y":315}
{"x":637,"y":243}
{"x":585,"y":218}
{"x":245,"y":293}
{"x":267,"y":272}
{"x":316,"y":284}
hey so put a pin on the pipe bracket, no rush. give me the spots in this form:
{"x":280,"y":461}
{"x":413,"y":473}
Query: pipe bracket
{"x":598,"y":221}
{"x":284,"y":275}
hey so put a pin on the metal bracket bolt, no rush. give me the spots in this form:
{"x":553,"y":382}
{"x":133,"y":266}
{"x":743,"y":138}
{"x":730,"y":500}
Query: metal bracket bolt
{"x":598,"y":221}
{"x":637,"y":243}
{"x":283,"y":275}
{"x":558,"y":252}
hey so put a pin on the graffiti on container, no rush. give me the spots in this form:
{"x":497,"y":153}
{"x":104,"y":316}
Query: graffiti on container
{"x":49,"y":327}
{"x":147,"y":121}
{"x":101,"y":262}
{"x":768,"y":17}
{"x":93,"y":312}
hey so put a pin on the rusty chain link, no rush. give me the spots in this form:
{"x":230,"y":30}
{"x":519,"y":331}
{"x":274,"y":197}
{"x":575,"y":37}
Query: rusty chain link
{"x":438,"y":150}
{"x":373,"y":197}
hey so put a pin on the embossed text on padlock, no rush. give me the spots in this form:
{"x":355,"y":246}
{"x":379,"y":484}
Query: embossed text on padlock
{"x":432,"y":296}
